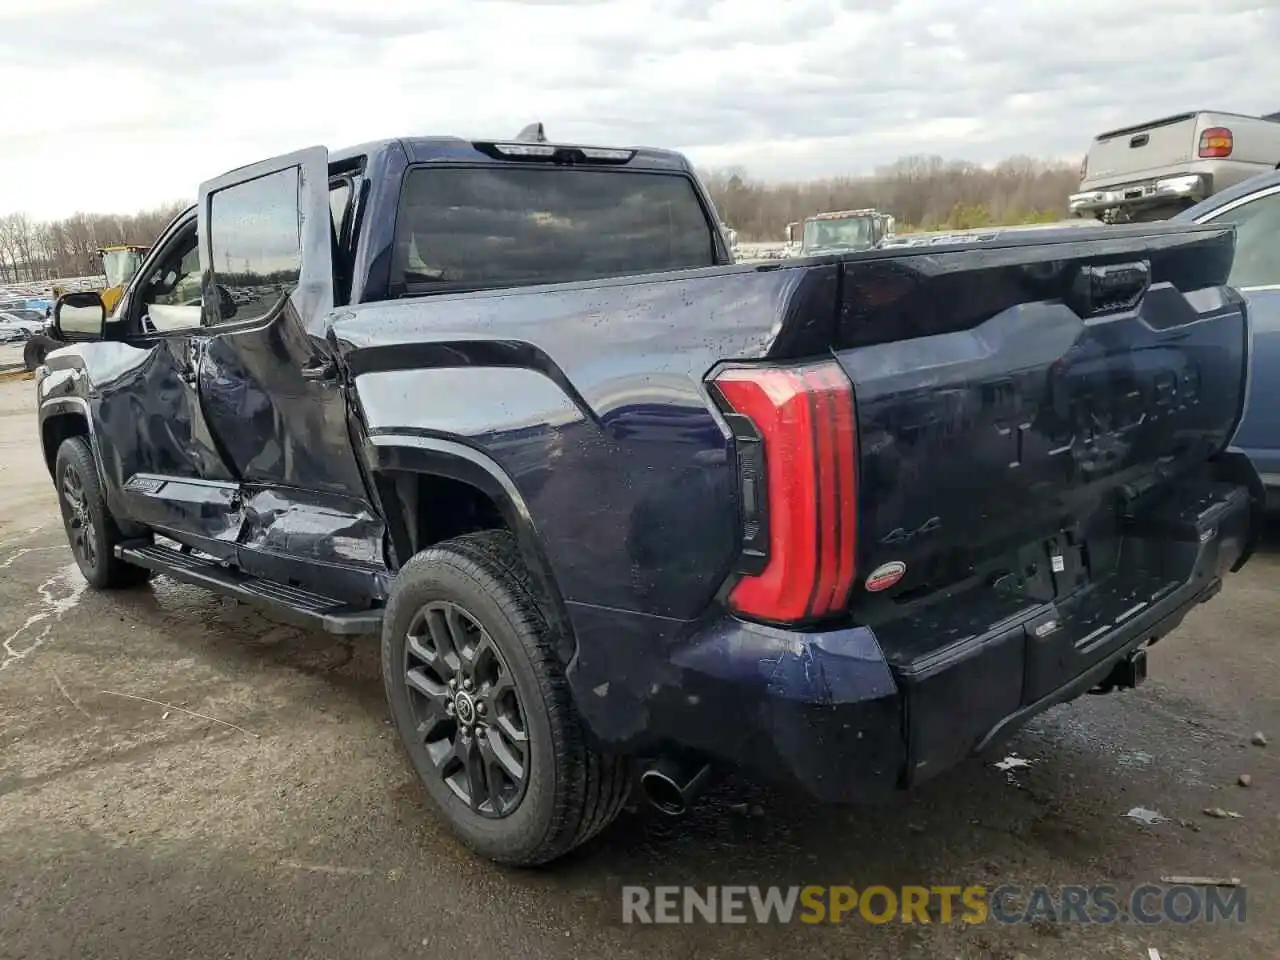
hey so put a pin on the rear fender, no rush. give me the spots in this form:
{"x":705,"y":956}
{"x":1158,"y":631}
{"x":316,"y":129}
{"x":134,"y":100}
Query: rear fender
{"x":619,"y":487}
{"x":628,"y":479}
{"x":454,"y":460}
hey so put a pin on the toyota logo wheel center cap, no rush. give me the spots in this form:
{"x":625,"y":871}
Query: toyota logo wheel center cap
{"x":464,"y":708}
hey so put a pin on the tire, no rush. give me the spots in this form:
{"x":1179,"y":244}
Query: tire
{"x":36,"y":349}
{"x":92,"y":532}
{"x":476,"y":592}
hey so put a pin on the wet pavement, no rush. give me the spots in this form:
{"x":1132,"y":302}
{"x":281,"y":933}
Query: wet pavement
{"x":293,"y":828}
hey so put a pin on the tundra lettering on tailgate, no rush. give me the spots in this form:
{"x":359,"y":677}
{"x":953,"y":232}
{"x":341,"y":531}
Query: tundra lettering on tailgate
{"x":1091,"y":409}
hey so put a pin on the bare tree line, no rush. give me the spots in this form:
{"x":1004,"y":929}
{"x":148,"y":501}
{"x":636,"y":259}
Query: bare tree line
{"x":34,"y":250}
{"x":921,"y":192}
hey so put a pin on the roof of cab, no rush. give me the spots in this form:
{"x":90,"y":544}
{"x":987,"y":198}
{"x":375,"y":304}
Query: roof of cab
{"x":459,"y":150}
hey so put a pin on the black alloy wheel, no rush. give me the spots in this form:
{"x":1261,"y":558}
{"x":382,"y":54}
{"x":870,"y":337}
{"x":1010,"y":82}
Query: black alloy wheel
{"x":82,"y":533}
{"x":476,"y":686}
{"x":467,"y":709}
{"x":92,"y":531}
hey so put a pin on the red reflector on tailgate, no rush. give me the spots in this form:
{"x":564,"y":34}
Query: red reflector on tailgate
{"x":804,"y":418}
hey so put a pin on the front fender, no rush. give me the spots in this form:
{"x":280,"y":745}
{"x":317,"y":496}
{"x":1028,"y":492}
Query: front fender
{"x":62,"y":390}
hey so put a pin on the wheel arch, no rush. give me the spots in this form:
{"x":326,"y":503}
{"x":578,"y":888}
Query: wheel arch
{"x":391,"y":459}
{"x":60,"y":420}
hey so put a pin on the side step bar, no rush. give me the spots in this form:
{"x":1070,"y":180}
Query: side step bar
{"x":291,"y":604}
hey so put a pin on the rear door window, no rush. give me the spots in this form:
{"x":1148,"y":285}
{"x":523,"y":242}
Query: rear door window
{"x":478,"y":227}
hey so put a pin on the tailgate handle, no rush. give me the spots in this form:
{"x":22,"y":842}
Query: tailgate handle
{"x":1110,"y":287}
{"x":1141,"y":140}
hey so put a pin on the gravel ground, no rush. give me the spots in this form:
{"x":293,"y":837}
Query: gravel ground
{"x":129,"y":829}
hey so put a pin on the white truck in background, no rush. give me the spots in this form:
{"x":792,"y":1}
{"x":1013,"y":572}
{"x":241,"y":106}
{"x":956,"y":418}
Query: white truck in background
{"x":1152,"y":170}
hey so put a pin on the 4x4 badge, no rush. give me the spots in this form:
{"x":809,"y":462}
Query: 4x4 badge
{"x":885,"y":576}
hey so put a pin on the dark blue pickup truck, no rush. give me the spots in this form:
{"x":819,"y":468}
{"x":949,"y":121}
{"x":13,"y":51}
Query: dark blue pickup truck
{"x":623,"y":511}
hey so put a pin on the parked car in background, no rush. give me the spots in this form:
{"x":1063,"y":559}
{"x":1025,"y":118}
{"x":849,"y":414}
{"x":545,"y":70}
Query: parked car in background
{"x":1254,"y":208}
{"x":26,"y":314}
{"x":14,"y":327}
{"x":1153,"y":170}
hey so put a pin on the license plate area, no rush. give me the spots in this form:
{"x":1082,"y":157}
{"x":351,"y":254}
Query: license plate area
{"x":1049,"y":570}
{"x":1068,"y":558}
{"x":1129,"y":565}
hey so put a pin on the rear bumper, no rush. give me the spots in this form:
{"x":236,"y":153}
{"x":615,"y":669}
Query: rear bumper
{"x":1189,"y":187}
{"x":829,"y":712}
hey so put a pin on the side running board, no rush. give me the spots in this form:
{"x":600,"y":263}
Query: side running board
{"x":291,"y":604}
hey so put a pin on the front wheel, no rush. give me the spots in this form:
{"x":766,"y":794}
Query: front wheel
{"x":483,"y":708}
{"x":91,"y":530}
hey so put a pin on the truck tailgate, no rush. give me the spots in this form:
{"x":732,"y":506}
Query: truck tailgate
{"x":1025,"y":416}
{"x":1120,"y":156}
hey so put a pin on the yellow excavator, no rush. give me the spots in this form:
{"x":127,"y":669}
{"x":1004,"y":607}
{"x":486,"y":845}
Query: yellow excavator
{"x":119,"y":263}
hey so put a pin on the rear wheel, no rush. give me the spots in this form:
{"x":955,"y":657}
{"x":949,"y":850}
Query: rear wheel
{"x":483,"y":707}
{"x":91,"y":530}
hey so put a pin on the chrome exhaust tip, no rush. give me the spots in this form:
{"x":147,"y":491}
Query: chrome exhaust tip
{"x":670,"y":786}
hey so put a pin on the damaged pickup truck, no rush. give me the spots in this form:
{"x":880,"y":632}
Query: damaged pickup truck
{"x":624,"y":512}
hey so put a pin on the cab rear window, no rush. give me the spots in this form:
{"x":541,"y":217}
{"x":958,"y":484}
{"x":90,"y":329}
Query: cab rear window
{"x":483,"y":227}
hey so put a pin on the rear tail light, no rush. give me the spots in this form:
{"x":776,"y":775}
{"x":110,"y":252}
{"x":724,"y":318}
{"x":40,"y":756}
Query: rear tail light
{"x":797,"y":464}
{"x":1216,"y":142}
{"x":1084,"y":168}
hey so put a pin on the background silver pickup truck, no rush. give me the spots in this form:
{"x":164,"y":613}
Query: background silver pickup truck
{"x":1153,"y":170}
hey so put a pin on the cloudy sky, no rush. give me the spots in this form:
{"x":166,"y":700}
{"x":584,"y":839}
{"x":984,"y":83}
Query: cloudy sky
{"x":128,"y":103}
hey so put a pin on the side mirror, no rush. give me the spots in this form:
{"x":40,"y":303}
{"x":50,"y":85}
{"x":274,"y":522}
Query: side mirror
{"x":79,"y":317}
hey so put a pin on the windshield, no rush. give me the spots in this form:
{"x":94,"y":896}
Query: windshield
{"x":120,"y":266}
{"x":851,"y":233}
{"x":478,"y":227}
